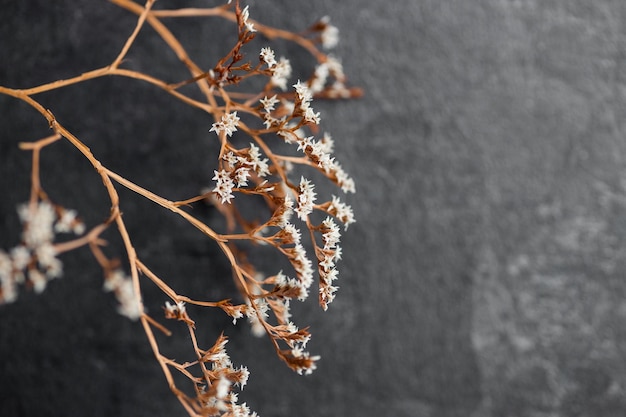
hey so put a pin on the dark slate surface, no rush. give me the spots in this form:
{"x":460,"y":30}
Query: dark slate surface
{"x":484,"y":277}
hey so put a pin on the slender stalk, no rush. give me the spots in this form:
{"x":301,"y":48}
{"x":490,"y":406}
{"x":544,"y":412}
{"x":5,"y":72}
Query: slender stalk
{"x":263,"y":294}
{"x":133,"y":36}
{"x":170,"y":205}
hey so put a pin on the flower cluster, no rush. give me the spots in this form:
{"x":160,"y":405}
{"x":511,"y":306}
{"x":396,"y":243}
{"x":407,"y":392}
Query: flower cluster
{"x":269,"y":139}
{"x":34,"y":261}
{"x":259,"y":169}
{"x":227,"y":125}
{"x":214,"y":393}
{"x":224,"y":185}
{"x":306,"y":198}
{"x":303,"y":104}
{"x":327,"y":256}
{"x":329,"y":33}
{"x":279,"y":71}
{"x":121,"y":285}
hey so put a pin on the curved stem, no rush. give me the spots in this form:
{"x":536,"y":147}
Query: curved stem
{"x":133,"y":36}
{"x":91,"y":237}
{"x":170,"y":205}
{"x":268,"y":31}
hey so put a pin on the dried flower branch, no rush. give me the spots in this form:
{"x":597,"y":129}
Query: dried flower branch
{"x":273,"y":115}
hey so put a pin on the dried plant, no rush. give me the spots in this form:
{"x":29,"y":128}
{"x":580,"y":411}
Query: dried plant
{"x":280,"y":126}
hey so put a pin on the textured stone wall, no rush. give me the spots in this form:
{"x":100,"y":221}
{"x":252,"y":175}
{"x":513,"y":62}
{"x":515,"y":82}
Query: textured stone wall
{"x":484,"y":276}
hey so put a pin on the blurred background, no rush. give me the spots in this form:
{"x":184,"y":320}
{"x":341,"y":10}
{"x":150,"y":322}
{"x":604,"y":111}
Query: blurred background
{"x":483,"y":278}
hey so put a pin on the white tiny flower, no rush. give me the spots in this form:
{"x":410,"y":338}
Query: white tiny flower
{"x":327,"y":143}
{"x":224,"y":186}
{"x":317,"y":149}
{"x":293,"y":232}
{"x":327,"y":295}
{"x":262,"y":309}
{"x":232,"y":398}
{"x":306,"y":198}
{"x":114,"y":280}
{"x":228,"y":124}
{"x":46,"y":254}
{"x":54,"y":269}
{"x":331,"y":275}
{"x":220,"y":358}
{"x":241,"y":175}
{"x":236,"y":314}
{"x":122,"y":285}
{"x":331,"y":234}
{"x":338,"y":252}
{"x":38,"y":223}
{"x":6,"y":266}
{"x":240,"y":410}
{"x":303,"y":91}
{"x":21,"y":257}
{"x":288,"y":211}
{"x":330,"y":34}
{"x":303,"y":266}
{"x":298,"y":352}
{"x":292,"y":328}
{"x":129,"y":304}
{"x":267,"y":56}
{"x":319,"y":77}
{"x":222,"y":389}
{"x":9,"y":290}
{"x":79,"y":228}
{"x":342,"y":211}
{"x":69,"y":223}
{"x":347,"y":185}
{"x":245,"y":15}
{"x":335,"y":67}
{"x":281,"y":73}
{"x":328,"y":262}
{"x":64,"y":225}
{"x":230,"y":159}
{"x":269,"y":103}
{"x":281,"y":279}
{"x":23,"y":211}
{"x":289,"y":136}
{"x":170,"y":308}
{"x":326,"y":162}
{"x":260,"y":165}
{"x":304,"y":293}
{"x":304,"y":143}
{"x":269,"y":121}
{"x":305,"y":95}
{"x":345,"y":182}
{"x":244,"y":374}
{"x":38,"y":280}
{"x":311,"y":117}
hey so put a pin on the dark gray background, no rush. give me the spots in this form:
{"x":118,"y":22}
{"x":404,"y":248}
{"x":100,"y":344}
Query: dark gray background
{"x":484,"y":276}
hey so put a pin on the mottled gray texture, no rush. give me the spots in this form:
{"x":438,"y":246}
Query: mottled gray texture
{"x":484,"y":276}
